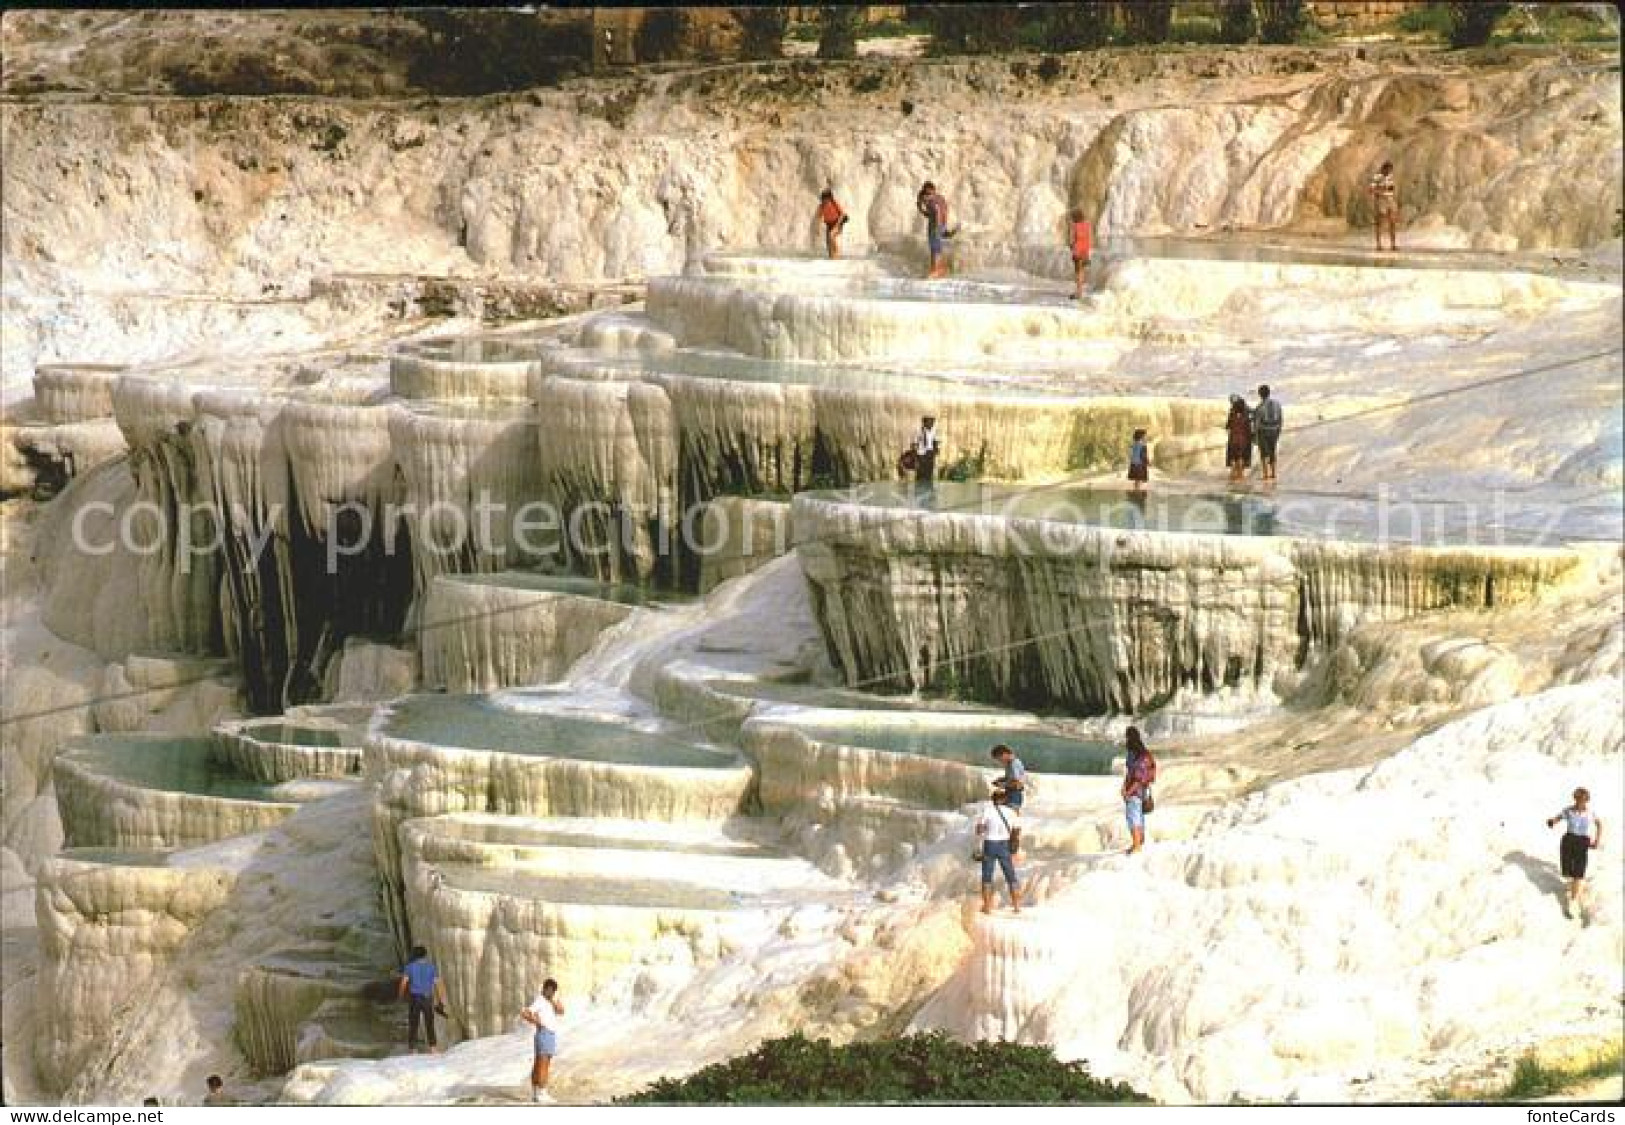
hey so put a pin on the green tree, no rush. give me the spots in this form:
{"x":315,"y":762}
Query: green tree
{"x":838,"y":31}
{"x":1280,"y":21}
{"x":483,"y":51}
{"x":660,"y":36}
{"x":1472,"y":24}
{"x":1237,"y":21}
{"x":1148,"y":21}
{"x":761,"y":31}
{"x":1077,"y":27}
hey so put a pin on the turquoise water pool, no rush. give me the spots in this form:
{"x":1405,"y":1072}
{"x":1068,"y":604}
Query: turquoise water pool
{"x":476,"y":722}
{"x":173,"y":765}
{"x":1039,"y":751}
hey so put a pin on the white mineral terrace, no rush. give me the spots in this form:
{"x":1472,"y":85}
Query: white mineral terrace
{"x":289,"y":690}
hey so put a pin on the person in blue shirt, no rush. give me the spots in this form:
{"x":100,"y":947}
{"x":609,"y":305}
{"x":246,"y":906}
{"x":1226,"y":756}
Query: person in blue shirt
{"x":424,"y":994}
{"x":1014,"y":782}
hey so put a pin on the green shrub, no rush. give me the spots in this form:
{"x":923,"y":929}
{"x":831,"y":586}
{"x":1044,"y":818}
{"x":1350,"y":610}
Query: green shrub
{"x":913,"y":1069}
{"x":893,"y":29}
{"x":487,"y":51}
{"x":970,"y":29}
{"x":838,"y":31}
{"x":761,"y":31}
{"x":1237,"y":22}
{"x":1194,"y":27}
{"x":1280,"y":21}
{"x":1471,"y":24}
{"x":659,"y":37}
{"x":1148,"y":21}
{"x":1078,"y":27}
{"x":1431,"y":19}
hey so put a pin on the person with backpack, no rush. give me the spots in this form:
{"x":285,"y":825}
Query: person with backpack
{"x":1139,"y":772}
{"x":1267,"y":422}
{"x":998,"y":832}
{"x":934,"y":206}
{"x":1080,"y":240}
{"x":834,"y":218}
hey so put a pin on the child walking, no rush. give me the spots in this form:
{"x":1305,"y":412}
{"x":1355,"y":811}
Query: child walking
{"x":1139,"y":461}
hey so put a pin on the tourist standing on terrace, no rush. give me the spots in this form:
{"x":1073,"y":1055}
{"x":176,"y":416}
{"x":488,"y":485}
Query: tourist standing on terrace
{"x":1080,"y":238}
{"x":1582,"y":831}
{"x":543,"y":1014}
{"x":1238,"y":449}
{"x":1014,"y":782}
{"x":1139,"y":461}
{"x":1139,"y":771}
{"x":833,"y":216}
{"x":1267,"y":423}
{"x":998,"y":831}
{"x":927,"y":444}
{"x":1384,"y":194}
{"x":934,"y":206}
{"x":424,"y":993}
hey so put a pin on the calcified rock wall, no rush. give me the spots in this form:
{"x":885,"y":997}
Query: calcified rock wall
{"x":457,"y":463}
{"x":273,"y":761}
{"x":179,"y":587}
{"x":843,"y":327}
{"x":100,"y":811}
{"x":609,"y":460}
{"x":738,"y":535}
{"x":279,"y":1006}
{"x":1524,"y":156}
{"x":91,"y":580}
{"x":481,"y":636}
{"x":415,"y":779}
{"x":1474,"y":152}
{"x":418,"y":374}
{"x":496,"y":942}
{"x":632,"y":461}
{"x":275,"y":540}
{"x":75,"y":392}
{"x":1106,"y":620}
{"x":106,"y":932}
{"x":795,"y":766}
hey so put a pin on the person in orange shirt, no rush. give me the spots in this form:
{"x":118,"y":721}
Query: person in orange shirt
{"x":833,"y":216}
{"x":1080,"y":237}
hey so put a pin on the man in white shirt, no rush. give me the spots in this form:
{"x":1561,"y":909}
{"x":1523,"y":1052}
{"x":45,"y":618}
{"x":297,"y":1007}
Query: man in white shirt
{"x":543,"y":1014}
{"x":998,"y":828}
{"x":927,"y":444}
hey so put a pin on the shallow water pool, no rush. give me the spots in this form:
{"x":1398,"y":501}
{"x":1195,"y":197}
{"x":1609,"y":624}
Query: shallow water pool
{"x":476,"y":722}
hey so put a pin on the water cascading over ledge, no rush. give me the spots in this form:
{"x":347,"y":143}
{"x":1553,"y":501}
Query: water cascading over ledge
{"x":1102,"y":620}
